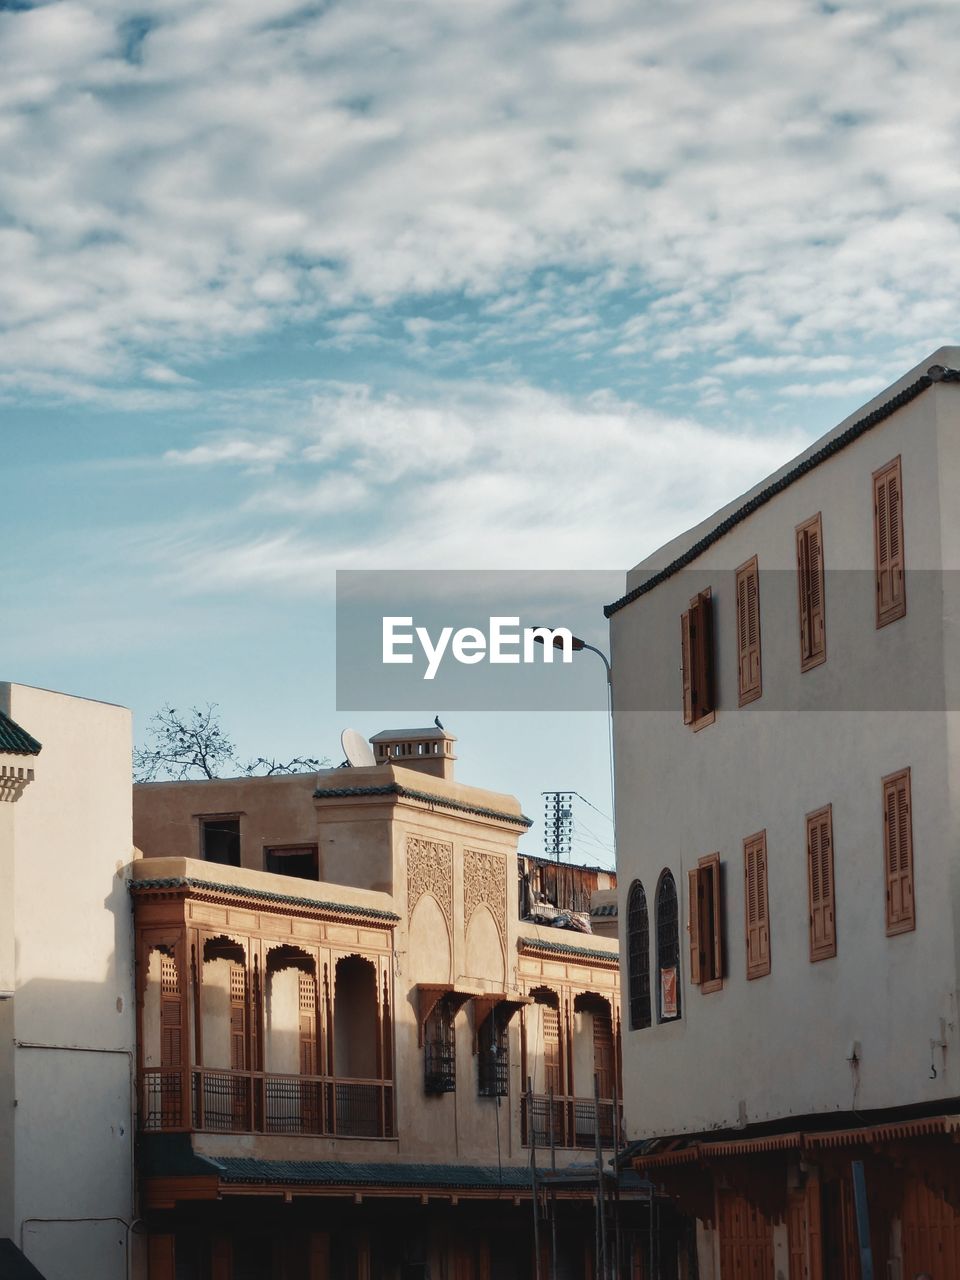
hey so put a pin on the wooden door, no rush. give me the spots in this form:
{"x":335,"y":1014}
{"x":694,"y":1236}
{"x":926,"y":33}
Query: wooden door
{"x":930,"y":1233}
{"x":746,"y":1239}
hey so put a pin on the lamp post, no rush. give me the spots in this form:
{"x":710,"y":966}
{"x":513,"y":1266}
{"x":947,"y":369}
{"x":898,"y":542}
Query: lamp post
{"x":577,"y":645}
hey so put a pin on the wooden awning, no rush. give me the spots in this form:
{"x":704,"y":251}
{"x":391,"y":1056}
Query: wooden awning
{"x":429,"y":995}
{"x":505,"y":1004}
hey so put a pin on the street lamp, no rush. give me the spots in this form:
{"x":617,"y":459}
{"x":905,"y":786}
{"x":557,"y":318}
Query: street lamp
{"x":576,"y":644}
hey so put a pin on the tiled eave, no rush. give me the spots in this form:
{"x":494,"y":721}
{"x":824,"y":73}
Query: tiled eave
{"x":15,"y":741}
{"x":281,"y":903}
{"x":539,"y":946}
{"x":430,"y":798}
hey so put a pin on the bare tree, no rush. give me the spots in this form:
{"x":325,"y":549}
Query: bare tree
{"x":194,"y":744}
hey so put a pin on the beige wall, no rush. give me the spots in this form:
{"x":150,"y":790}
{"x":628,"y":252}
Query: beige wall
{"x":779,"y":1045}
{"x":72,"y":1013}
{"x":451,"y":878}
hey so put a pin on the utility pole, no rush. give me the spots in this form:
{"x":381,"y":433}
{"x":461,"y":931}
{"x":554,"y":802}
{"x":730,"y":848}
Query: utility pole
{"x":557,"y":830}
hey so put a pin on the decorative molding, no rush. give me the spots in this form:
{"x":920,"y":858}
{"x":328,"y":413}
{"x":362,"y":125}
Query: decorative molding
{"x":485,"y":881}
{"x":234,"y":895}
{"x":426,"y":797}
{"x":14,"y":780}
{"x":430,"y":870}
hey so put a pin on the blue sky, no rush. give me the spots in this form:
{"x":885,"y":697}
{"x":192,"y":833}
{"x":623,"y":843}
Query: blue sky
{"x":287,"y":287}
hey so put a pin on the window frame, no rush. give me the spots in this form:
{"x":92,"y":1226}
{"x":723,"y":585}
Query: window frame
{"x":881,"y":479}
{"x":698,"y":665}
{"x":748,"y":692}
{"x":825,"y":950}
{"x":810,"y":654}
{"x":203,"y":819}
{"x":906,"y":922}
{"x":668,"y":944}
{"x":440,"y":1049}
{"x":758,"y":960}
{"x":639,"y":1004}
{"x":279,"y":852}
{"x":705,"y":924}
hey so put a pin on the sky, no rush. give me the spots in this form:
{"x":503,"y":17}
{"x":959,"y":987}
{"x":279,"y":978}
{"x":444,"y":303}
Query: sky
{"x":287,"y":288}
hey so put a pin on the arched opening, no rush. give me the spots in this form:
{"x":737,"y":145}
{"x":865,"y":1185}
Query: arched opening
{"x":594,"y":1068}
{"x":356,"y":1059}
{"x":638,"y":957}
{"x":292,"y":1057}
{"x":545,"y":1112}
{"x":165,"y":1040}
{"x":668,"y":949}
{"x":225,"y":1094}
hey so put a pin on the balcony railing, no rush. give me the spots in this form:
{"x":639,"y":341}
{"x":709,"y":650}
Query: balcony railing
{"x":568,"y":1122}
{"x":254,"y":1102}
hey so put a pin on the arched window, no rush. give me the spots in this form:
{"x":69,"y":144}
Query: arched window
{"x":668,"y":950}
{"x":638,"y":956}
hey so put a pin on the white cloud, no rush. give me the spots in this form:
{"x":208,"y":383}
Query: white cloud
{"x":776,"y":174}
{"x":469,"y":477}
{"x":249,"y":453}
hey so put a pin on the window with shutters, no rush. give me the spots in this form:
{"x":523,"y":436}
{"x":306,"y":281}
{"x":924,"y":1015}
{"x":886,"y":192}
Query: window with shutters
{"x":668,"y":950}
{"x":810,"y":584}
{"x":638,"y":957}
{"x":756,"y":906}
{"x":820,"y":881}
{"x":748,"y":631}
{"x":706,"y":924}
{"x":898,"y":852}
{"x":888,"y":543}
{"x":697,"y":662}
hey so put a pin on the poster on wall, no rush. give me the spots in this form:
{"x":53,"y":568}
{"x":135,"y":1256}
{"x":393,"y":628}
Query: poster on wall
{"x":668,"y":993}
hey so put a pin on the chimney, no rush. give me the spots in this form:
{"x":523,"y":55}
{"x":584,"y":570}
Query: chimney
{"x":426,"y":750}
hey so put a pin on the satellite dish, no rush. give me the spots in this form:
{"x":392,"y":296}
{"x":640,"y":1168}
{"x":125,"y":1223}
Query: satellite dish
{"x":357,"y":749}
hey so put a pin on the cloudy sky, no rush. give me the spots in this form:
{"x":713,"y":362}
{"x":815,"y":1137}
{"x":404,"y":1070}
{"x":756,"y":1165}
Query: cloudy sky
{"x":291,"y":287}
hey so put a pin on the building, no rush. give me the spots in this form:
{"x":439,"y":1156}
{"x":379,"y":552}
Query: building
{"x":788,"y":819}
{"x":339,"y":1012}
{"x":67,"y":1102}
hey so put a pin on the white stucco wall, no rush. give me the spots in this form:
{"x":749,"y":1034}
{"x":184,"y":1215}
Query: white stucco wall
{"x":779,"y":1045}
{"x":72,"y":1014}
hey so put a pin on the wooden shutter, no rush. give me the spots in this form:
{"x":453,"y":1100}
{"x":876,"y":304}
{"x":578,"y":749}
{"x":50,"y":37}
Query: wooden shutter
{"x":756,"y":905}
{"x":238,"y":1017}
{"x":603,"y":1052}
{"x":888,"y":543}
{"x":813,"y":647}
{"x":898,"y":852}
{"x":748,"y":630}
{"x":308,"y":1024}
{"x":712,"y":935}
{"x":823,"y":931}
{"x":171,"y":1014}
{"x":686,"y":673}
{"x":696,"y":659}
{"x":551,"y":1051}
{"x":695,"y":899}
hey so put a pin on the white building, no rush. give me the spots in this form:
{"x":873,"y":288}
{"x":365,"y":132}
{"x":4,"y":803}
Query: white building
{"x":788,"y":835}
{"x":67,"y":1029}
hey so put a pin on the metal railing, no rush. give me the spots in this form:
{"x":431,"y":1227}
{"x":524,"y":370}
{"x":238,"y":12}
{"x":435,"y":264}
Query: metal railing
{"x":568,"y":1122}
{"x":255,"y":1102}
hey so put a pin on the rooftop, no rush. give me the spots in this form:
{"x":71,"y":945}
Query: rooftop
{"x":16,"y":741}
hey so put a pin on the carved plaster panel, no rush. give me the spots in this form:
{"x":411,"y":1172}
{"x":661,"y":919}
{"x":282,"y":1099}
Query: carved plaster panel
{"x":430,"y":870}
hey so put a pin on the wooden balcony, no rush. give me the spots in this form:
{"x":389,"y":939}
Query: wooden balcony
{"x":568,"y":1122}
{"x":257,"y":1102}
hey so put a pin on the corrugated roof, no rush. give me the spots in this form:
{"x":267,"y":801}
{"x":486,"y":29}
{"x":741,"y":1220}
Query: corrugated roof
{"x":266,"y":895}
{"x":445,"y":802}
{"x":16,"y":741}
{"x":763,"y":496}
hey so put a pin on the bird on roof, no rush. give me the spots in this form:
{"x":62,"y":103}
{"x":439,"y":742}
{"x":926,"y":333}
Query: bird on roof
{"x":436,"y":721}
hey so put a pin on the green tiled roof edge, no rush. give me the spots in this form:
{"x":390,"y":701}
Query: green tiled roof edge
{"x":17,"y":741}
{"x":267,"y":895}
